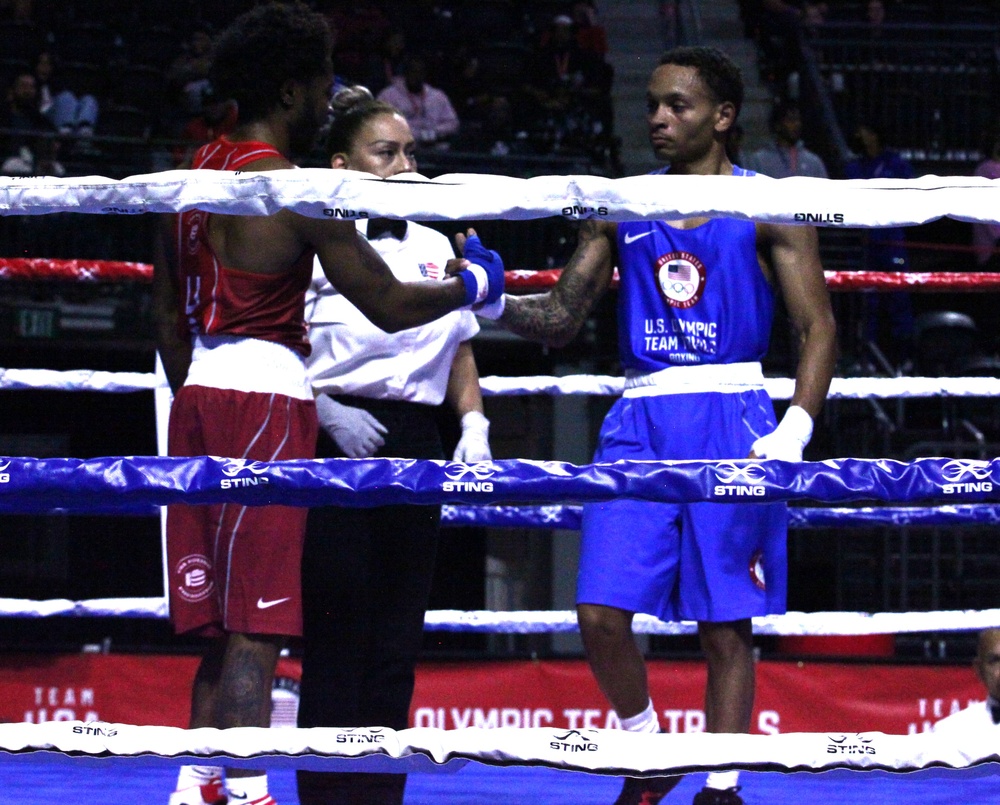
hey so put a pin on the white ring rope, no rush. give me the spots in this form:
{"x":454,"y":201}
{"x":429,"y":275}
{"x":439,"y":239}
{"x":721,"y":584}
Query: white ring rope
{"x":339,"y":194}
{"x":594,"y":751}
{"x":322,"y":193}
{"x":553,"y":622}
{"x":79,"y":380}
{"x":779,"y":388}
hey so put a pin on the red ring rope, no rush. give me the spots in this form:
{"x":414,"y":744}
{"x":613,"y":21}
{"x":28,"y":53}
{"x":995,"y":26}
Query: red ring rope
{"x":41,"y":268}
{"x":114,"y":271}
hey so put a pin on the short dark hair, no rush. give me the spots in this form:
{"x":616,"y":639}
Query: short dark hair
{"x":715,"y":68}
{"x":352,"y":107}
{"x":781,"y":109}
{"x":263,"y":48}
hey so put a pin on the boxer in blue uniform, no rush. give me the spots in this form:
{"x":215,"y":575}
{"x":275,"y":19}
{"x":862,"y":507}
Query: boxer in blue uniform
{"x":695,"y":307}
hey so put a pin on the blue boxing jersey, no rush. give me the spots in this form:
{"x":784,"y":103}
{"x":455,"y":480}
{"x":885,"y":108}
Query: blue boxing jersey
{"x":691,"y":296}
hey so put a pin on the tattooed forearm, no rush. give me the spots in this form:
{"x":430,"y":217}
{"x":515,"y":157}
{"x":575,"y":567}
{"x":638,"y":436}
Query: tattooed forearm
{"x":554,"y":318}
{"x":539,"y":318}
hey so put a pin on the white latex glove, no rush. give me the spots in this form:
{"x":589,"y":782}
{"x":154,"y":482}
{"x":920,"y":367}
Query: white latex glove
{"x":787,"y":441}
{"x":474,"y":445}
{"x":355,"y":431}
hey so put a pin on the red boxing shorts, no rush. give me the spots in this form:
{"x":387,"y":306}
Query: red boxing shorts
{"x":235,"y":567}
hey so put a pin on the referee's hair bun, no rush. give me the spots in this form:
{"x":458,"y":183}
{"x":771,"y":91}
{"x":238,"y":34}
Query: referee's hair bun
{"x":348,"y":99}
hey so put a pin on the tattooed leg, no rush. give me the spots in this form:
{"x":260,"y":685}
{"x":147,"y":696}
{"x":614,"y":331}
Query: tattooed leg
{"x":243,"y":697}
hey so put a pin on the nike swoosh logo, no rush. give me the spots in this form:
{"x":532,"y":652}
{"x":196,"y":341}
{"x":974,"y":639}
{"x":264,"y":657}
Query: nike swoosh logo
{"x":262,"y":604}
{"x":633,"y":238}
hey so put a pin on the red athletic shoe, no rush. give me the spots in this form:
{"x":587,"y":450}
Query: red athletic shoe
{"x":211,"y":793}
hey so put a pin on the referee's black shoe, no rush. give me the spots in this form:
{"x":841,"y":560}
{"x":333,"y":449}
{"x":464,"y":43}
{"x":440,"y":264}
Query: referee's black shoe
{"x":717,"y":796}
{"x":650,"y":791}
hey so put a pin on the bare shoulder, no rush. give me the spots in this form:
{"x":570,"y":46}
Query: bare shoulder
{"x":594,"y":229}
{"x":269,"y":163}
{"x":799,"y":238}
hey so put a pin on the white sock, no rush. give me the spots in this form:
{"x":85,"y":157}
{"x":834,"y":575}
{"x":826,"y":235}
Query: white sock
{"x":721,"y":780}
{"x":246,"y":789}
{"x":190,"y":776}
{"x":646,"y":721}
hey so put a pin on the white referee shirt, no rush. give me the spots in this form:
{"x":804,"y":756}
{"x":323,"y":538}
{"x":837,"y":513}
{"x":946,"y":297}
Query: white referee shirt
{"x":350,"y":355}
{"x":975,"y":719}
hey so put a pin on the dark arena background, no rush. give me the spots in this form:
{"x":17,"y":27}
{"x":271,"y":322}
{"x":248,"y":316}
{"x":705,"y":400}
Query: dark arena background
{"x":75,"y":295}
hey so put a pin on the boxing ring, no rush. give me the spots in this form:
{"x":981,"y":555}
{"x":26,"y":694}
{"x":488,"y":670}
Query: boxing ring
{"x":544,"y":494}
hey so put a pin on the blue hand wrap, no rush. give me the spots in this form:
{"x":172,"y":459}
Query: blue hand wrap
{"x":475,"y":252}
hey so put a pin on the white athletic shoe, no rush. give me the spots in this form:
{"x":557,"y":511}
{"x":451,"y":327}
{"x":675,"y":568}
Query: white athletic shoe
{"x":267,"y":799}
{"x":211,"y":793}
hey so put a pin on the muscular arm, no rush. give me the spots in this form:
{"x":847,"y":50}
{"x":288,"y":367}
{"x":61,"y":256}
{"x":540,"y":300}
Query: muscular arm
{"x":271,"y":244}
{"x":554,"y":318}
{"x":175,"y":351}
{"x":794,"y":256}
{"x":356,"y":270}
{"x":463,"y":392}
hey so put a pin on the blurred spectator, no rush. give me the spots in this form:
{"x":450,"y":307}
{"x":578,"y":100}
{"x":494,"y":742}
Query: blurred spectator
{"x":875,"y":17}
{"x":427,"y":109}
{"x":187,"y":77}
{"x":590,"y":34}
{"x":393,"y":58}
{"x":785,"y":155}
{"x":777,"y":24}
{"x":466,"y":87}
{"x":986,"y":237}
{"x":69,"y":113}
{"x":30,"y":145}
{"x":494,"y":132}
{"x":570,"y":89}
{"x":361,"y":29}
{"x":218,"y":117}
{"x":886,"y":245}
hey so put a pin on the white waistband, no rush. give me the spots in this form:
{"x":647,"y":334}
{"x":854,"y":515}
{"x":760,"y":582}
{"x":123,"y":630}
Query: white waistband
{"x":248,"y":364}
{"x":724,"y":377}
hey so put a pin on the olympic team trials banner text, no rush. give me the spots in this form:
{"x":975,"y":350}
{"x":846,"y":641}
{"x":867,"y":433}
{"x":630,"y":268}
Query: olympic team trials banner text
{"x":791,"y":696}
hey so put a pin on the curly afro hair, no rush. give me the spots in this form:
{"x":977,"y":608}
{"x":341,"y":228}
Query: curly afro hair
{"x":265,"y":47}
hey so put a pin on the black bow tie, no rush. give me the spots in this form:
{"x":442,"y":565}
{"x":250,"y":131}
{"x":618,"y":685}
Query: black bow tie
{"x":386,"y":226}
{"x":995,"y":710}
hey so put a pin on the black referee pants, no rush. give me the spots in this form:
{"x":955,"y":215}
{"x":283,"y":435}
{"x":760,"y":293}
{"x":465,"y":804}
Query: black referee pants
{"x":366,"y":578}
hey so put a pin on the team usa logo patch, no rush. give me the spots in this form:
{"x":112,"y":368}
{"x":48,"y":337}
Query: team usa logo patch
{"x":193,"y":576}
{"x":680,"y":276}
{"x":194,"y":221}
{"x":757,"y":571}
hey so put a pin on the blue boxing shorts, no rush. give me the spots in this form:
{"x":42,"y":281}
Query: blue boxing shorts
{"x":689,"y":561}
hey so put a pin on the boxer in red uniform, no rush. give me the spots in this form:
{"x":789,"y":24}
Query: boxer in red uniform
{"x":229,"y":296}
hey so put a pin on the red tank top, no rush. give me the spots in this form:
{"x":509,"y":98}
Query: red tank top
{"x":223,"y":301}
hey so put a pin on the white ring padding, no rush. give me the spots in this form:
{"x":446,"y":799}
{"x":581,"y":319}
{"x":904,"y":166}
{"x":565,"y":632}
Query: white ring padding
{"x":553,"y":622}
{"x":322,"y":193}
{"x":594,"y":751}
{"x":78,"y":380}
{"x":779,"y":388}
{"x":791,"y":623}
{"x":94,"y":607}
